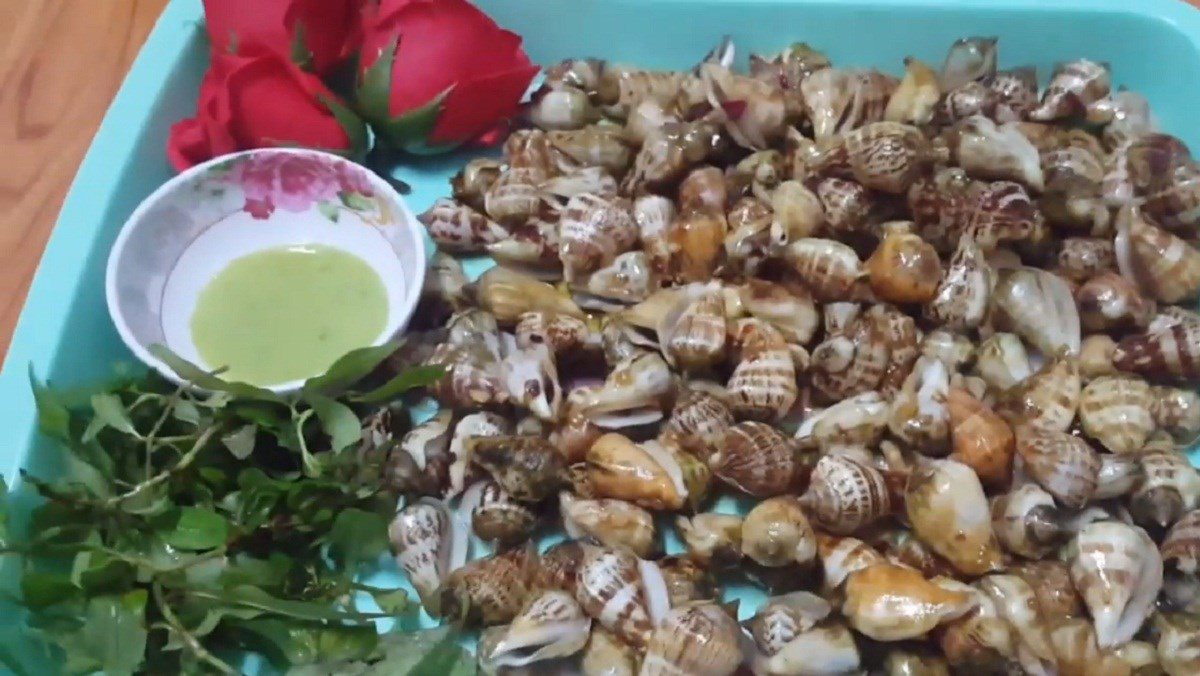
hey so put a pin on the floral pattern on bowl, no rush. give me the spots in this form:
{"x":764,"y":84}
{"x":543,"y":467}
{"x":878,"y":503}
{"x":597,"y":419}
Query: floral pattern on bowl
{"x":298,"y":182}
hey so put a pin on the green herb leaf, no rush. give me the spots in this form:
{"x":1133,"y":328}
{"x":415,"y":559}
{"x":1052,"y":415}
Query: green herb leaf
{"x":129,"y":513}
{"x":337,"y":420}
{"x":113,"y":635}
{"x":241,"y":441}
{"x":264,"y":573}
{"x":40,"y":589}
{"x":253,"y":506}
{"x":151,"y":501}
{"x":186,"y":411}
{"x":420,"y":376}
{"x":25,"y":654}
{"x":216,"y":400}
{"x":59,"y":522}
{"x":201,"y":378}
{"x":153,"y":556}
{"x":393,"y":601}
{"x":253,"y":597}
{"x":94,"y":427}
{"x":289,"y":643}
{"x":445,"y":657}
{"x":4,"y":542}
{"x":53,"y":418}
{"x":350,"y":369}
{"x":213,"y":617}
{"x":268,"y":417}
{"x":357,"y":536}
{"x":78,"y":472}
{"x":419,"y":653}
{"x":96,"y":571}
{"x":97,"y":456}
{"x":197,"y":528}
{"x":111,"y":412}
{"x":205,"y":572}
{"x":118,"y":627}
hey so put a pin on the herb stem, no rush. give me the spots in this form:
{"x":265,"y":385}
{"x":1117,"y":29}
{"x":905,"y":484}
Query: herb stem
{"x":175,"y":439}
{"x":149,"y":439}
{"x":165,"y":475}
{"x":263,"y":539}
{"x":348,"y":614}
{"x":154,"y":567}
{"x":46,"y":539}
{"x":306,"y":456}
{"x":142,"y":399}
{"x":370,"y":589}
{"x":192,"y":642}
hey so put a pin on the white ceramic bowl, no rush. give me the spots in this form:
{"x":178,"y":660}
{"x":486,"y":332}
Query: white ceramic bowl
{"x":194,"y":225}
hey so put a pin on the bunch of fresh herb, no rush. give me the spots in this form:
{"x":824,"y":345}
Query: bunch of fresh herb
{"x":191,"y":525}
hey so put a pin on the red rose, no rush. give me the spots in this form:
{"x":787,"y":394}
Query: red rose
{"x":438,"y":73}
{"x":259,"y":99}
{"x":317,"y":34}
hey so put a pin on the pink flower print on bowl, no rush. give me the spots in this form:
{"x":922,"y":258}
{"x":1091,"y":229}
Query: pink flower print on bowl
{"x":296,"y":183}
{"x":355,"y":180}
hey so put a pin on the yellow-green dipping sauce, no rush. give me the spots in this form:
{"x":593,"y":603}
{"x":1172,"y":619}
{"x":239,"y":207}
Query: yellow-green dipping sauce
{"x":288,"y":313}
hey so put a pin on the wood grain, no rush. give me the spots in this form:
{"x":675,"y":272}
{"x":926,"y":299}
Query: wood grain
{"x":61,"y":62}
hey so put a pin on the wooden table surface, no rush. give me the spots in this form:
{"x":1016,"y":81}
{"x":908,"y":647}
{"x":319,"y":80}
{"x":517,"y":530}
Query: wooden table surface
{"x":61,"y":62}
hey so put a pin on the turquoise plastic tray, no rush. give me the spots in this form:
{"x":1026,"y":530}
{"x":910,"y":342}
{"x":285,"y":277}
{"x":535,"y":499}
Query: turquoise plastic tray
{"x":65,"y":334}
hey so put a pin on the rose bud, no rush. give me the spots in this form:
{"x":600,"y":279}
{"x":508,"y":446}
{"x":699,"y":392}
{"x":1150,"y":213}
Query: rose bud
{"x":317,"y":34}
{"x":438,"y":73}
{"x":260,"y":99}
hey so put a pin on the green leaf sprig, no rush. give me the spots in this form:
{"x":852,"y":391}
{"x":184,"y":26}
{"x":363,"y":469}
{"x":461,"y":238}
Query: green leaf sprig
{"x":192,"y":522}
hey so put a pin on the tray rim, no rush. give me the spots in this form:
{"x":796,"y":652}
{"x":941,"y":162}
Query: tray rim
{"x":43,"y":319}
{"x":44,"y":316}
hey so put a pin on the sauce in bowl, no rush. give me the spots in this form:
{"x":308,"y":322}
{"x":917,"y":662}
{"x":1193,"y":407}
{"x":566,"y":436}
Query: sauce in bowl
{"x":287,"y":313}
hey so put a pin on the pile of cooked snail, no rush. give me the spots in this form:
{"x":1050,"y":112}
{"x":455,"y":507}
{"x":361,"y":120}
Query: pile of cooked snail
{"x":907,"y":354}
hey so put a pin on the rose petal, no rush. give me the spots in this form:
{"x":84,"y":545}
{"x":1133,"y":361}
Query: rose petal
{"x":187,"y":144}
{"x":329,"y":27}
{"x":389,"y":6}
{"x":474,"y":106}
{"x":206,"y":135}
{"x":442,"y":43}
{"x":239,"y":22}
{"x":272,"y":103}
{"x":213,"y":106}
